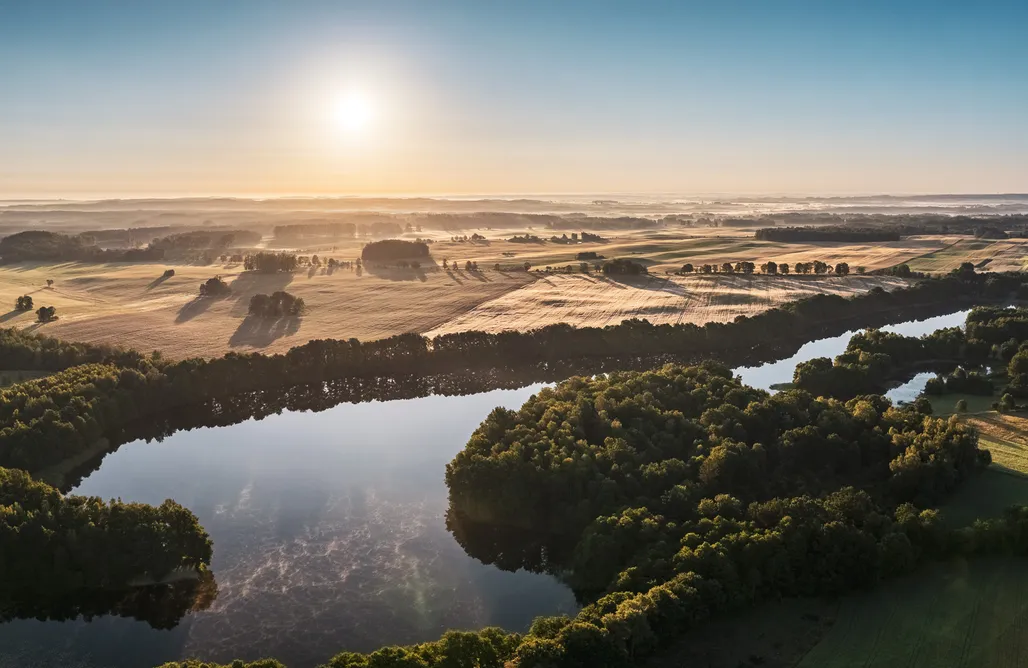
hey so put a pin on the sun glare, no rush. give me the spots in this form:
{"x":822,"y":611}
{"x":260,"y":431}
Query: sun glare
{"x":354,"y":113}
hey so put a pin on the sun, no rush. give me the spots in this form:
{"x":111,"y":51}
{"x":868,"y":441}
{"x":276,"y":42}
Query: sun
{"x":354,"y":113}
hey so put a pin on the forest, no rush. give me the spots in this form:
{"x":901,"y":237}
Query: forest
{"x":51,"y":544}
{"x":687,"y":496}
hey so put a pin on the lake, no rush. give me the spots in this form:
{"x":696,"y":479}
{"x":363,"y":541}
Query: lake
{"x":329,"y":534}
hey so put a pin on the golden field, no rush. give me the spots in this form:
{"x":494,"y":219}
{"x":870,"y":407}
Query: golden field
{"x":129,"y":304}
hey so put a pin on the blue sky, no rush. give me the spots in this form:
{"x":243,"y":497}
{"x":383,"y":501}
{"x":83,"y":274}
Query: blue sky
{"x":169,"y":98}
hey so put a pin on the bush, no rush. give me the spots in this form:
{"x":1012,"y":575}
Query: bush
{"x":389,"y":250}
{"x":46,"y":313}
{"x":214,"y":287}
{"x":961,"y":406}
{"x":168,"y":273}
{"x":23,"y":303}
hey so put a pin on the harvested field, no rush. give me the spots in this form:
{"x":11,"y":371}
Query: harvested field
{"x":959,"y":614}
{"x":128,"y":304}
{"x":1001,"y":255}
{"x":597,"y":301}
{"x":668,"y":251}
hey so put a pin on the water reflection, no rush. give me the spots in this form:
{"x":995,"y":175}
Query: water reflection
{"x":779,"y":372}
{"x":329,"y":533}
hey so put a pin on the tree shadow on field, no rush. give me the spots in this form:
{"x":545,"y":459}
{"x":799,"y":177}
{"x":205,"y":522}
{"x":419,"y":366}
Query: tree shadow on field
{"x":157,"y":281}
{"x":10,"y":315}
{"x":394,"y":273}
{"x":259,"y":332}
{"x":194,"y":308}
{"x":250,"y":283}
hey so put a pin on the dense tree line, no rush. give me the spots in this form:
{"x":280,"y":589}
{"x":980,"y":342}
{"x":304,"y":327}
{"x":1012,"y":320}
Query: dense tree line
{"x":52,"y":544}
{"x":391,"y":250}
{"x":206,"y":239}
{"x":902,"y":224}
{"x":820,"y":234}
{"x":24,"y":350}
{"x":960,"y":381}
{"x":992,"y":335}
{"x":40,"y":245}
{"x":313,"y":232}
{"x":270,"y":263}
{"x":276,"y":305}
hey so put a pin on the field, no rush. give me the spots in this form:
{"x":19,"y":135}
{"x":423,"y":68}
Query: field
{"x":129,"y":304}
{"x":596,"y":301}
{"x":958,"y":614}
{"x":1001,"y":255}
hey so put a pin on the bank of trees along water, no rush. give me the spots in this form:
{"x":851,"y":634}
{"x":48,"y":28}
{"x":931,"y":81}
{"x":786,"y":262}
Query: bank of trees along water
{"x":686,"y":495}
{"x":52,"y":544}
{"x":993,"y":336}
{"x":682,"y":492}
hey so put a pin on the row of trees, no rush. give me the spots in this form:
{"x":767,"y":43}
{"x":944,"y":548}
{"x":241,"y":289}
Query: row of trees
{"x":770,"y":268}
{"x":270,"y":263}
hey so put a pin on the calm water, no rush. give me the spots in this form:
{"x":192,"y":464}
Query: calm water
{"x":775,"y":373}
{"x":329,"y":534}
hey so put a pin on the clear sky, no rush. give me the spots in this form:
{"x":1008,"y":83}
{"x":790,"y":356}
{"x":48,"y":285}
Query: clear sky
{"x":431,"y":97}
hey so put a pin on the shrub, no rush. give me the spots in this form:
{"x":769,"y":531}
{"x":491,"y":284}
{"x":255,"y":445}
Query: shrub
{"x":23,"y":303}
{"x":961,"y":406}
{"x":214,"y":287}
{"x":46,"y":313}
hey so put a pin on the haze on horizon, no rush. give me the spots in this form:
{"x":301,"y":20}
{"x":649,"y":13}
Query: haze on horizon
{"x":335,"y":98}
